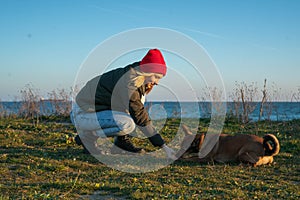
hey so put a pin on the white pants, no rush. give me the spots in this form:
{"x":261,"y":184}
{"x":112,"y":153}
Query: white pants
{"x":106,"y":123}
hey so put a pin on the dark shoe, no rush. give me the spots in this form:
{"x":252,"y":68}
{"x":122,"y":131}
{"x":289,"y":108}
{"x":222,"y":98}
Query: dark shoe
{"x":123,"y":142}
{"x":93,"y":149}
{"x":78,"y":140}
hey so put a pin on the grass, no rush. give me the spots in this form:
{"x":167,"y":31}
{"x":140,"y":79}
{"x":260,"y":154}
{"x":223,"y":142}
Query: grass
{"x":43,"y":162}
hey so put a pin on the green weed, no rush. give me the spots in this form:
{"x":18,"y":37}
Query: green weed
{"x":42,"y":161}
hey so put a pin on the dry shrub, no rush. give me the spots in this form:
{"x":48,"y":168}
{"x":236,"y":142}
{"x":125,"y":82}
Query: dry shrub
{"x":245,"y":99}
{"x":60,"y":100}
{"x":30,"y":103}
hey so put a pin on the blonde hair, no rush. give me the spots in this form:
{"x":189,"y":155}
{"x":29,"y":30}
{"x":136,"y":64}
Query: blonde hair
{"x":141,"y":76}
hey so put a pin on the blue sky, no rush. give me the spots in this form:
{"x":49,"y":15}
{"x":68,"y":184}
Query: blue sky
{"x":44,"y":42}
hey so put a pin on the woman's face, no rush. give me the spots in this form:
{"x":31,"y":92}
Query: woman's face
{"x":153,"y":80}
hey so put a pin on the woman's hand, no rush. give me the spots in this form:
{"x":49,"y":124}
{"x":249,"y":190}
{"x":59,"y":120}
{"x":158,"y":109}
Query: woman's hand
{"x":170,"y":152}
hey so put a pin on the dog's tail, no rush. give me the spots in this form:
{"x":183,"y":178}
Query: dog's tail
{"x":271,"y":150}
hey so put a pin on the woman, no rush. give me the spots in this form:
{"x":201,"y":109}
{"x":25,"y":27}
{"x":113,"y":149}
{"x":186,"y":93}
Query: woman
{"x":112,"y":105}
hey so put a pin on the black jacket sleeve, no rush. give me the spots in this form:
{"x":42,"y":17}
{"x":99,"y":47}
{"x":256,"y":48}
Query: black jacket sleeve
{"x":142,"y":119}
{"x":152,"y":135}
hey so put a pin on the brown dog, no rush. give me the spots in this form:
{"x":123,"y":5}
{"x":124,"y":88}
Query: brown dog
{"x":242,"y":148}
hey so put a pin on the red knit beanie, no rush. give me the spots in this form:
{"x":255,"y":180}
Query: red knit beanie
{"x":153,"y":62}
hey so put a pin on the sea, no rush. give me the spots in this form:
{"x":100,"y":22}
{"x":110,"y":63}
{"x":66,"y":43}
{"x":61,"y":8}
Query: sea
{"x":274,"y":111}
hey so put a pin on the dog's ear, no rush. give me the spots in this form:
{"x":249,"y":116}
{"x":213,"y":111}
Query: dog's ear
{"x":186,"y":130}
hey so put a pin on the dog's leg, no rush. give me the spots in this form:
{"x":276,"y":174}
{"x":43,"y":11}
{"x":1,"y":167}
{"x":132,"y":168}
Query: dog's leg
{"x":197,"y":159}
{"x":264,"y":160}
{"x":248,"y":157}
{"x":190,"y":159}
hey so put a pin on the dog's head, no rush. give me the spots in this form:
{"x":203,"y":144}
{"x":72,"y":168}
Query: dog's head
{"x":191,"y":143}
